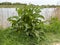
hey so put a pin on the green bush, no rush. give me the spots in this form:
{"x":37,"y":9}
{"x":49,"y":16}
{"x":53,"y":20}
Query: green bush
{"x":29,"y":24}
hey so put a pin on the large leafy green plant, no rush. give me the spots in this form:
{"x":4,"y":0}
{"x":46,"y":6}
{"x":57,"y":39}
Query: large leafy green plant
{"x":29,"y":23}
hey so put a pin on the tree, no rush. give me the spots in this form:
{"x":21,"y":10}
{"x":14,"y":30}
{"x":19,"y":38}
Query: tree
{"x":17,"y":3}
{"x":29,"y":24}
{"x":6,"y":3}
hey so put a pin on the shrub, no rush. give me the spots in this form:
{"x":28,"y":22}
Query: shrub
{"x":29,"y":24}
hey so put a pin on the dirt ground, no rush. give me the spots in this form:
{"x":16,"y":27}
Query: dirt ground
{"x":58,"y":43}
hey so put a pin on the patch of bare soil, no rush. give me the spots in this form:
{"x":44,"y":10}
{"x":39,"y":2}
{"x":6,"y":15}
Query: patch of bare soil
{"x":58,"y":43}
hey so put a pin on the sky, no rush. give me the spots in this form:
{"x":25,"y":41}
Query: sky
{"x":36,"y":2}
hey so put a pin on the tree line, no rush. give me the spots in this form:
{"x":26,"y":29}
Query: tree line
{"x":17,"y":3}
{"x":9,"y":3}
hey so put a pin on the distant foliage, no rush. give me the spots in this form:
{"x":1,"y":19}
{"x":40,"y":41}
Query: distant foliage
{"x":9,"y":3}
{"x":17,"y":3}
{"x":5,"y":3}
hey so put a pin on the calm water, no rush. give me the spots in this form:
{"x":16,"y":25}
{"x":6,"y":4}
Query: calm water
{"x":7,"y":12}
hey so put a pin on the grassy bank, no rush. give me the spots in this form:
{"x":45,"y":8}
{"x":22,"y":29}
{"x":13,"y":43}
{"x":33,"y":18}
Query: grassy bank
{"x":9,"y":37}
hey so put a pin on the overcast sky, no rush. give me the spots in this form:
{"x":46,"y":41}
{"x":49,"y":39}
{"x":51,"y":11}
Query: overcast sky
{"x":37,"y":2}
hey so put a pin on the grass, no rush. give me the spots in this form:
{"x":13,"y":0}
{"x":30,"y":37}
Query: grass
{"x":10,"y":37}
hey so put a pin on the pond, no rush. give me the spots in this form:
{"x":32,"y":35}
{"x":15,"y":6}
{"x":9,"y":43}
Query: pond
{"x":7,"y":12}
